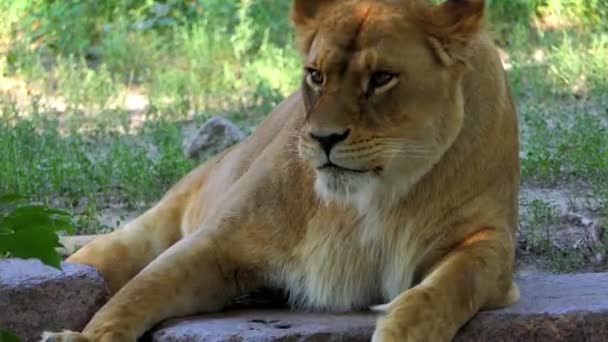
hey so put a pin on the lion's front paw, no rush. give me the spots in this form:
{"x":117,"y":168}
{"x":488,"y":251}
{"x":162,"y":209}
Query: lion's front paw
{"x":65,"y":336}
{"x":389,"y":330}
{"x":413,"y":335}
{"x":383,"y":334}
{"x":380,"y":336}
{"x":71,"y":336}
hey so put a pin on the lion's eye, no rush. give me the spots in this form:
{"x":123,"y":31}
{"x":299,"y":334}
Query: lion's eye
{"x":315,"y":76}
{"x":381,"y":78}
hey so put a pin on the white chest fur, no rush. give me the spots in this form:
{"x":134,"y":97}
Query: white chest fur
{"x":338,"y":267}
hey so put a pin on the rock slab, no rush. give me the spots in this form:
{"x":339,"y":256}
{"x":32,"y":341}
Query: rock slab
{"x":552,"y":308}
{"x":35,"y":297}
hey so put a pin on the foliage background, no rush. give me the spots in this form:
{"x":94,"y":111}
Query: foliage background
{"x":97,"y":97}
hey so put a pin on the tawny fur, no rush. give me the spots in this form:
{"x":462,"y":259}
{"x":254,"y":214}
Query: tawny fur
{"x":427,"y":225}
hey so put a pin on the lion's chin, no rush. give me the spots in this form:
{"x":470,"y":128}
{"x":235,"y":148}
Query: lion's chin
{"x":343,"y":186}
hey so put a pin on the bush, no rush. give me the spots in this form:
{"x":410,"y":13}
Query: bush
{"x":219,"y":51}
{"x":513,"y":11}
{"x":590,"y":13}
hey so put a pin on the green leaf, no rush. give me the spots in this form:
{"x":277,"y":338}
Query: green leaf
{"x":6,"y":336}
{"x":34,"y":242}
{"x":6,"y":231}
{"x":10,"y":198}
{"x":32,"y":216}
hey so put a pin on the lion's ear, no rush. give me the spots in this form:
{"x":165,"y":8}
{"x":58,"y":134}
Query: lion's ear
{"x":303,"y":15}
{"x":452,"y":25}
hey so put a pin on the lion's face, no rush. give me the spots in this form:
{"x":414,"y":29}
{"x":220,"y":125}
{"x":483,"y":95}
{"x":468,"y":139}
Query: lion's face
{"x":382,"y":97}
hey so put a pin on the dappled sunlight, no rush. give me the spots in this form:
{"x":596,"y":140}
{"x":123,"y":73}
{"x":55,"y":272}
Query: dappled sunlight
{"x":136,"y":101}
{"x":131,"y":104}
{"x":540,"y":56}
{"x":505,"y":58}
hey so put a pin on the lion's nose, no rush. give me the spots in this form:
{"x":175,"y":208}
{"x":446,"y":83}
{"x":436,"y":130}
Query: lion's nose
{"x":327,"y":142}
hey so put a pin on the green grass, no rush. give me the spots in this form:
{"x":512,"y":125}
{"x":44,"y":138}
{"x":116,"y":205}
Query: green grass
{"x":71,"y":141}
{"x":61,"y":162}
{"x":560,"y":87}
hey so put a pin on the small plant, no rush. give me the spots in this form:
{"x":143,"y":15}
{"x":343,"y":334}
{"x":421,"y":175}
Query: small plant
{"x":542,"y":215}
{"x":6,"y":336}
{"x":30,"y":230}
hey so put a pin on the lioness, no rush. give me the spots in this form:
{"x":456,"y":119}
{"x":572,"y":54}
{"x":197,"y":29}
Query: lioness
{"x":391,"y":176}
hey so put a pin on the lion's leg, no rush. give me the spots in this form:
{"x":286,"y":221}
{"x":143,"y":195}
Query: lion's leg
{"x":195,"y":275}
{"x":120,"y":255}
{"x":473,"y":276}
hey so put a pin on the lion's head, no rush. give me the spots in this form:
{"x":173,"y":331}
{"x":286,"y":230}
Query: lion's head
{"x":381,"y":89}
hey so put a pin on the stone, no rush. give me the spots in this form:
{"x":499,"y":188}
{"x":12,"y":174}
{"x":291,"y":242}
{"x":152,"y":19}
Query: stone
{"x":35,"y":297}
{"x":214,"y":136}
{"x":552,"y":308}
{"x":267,"y":325}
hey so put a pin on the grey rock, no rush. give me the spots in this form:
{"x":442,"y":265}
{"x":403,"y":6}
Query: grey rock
{"x":552,"y":308}
{"x":268,"y":325}
{"x":214,"y":136}
{"x":35,"y":297}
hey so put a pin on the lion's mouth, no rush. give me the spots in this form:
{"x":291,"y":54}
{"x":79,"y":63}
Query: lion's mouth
{"x":337,"y":168}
